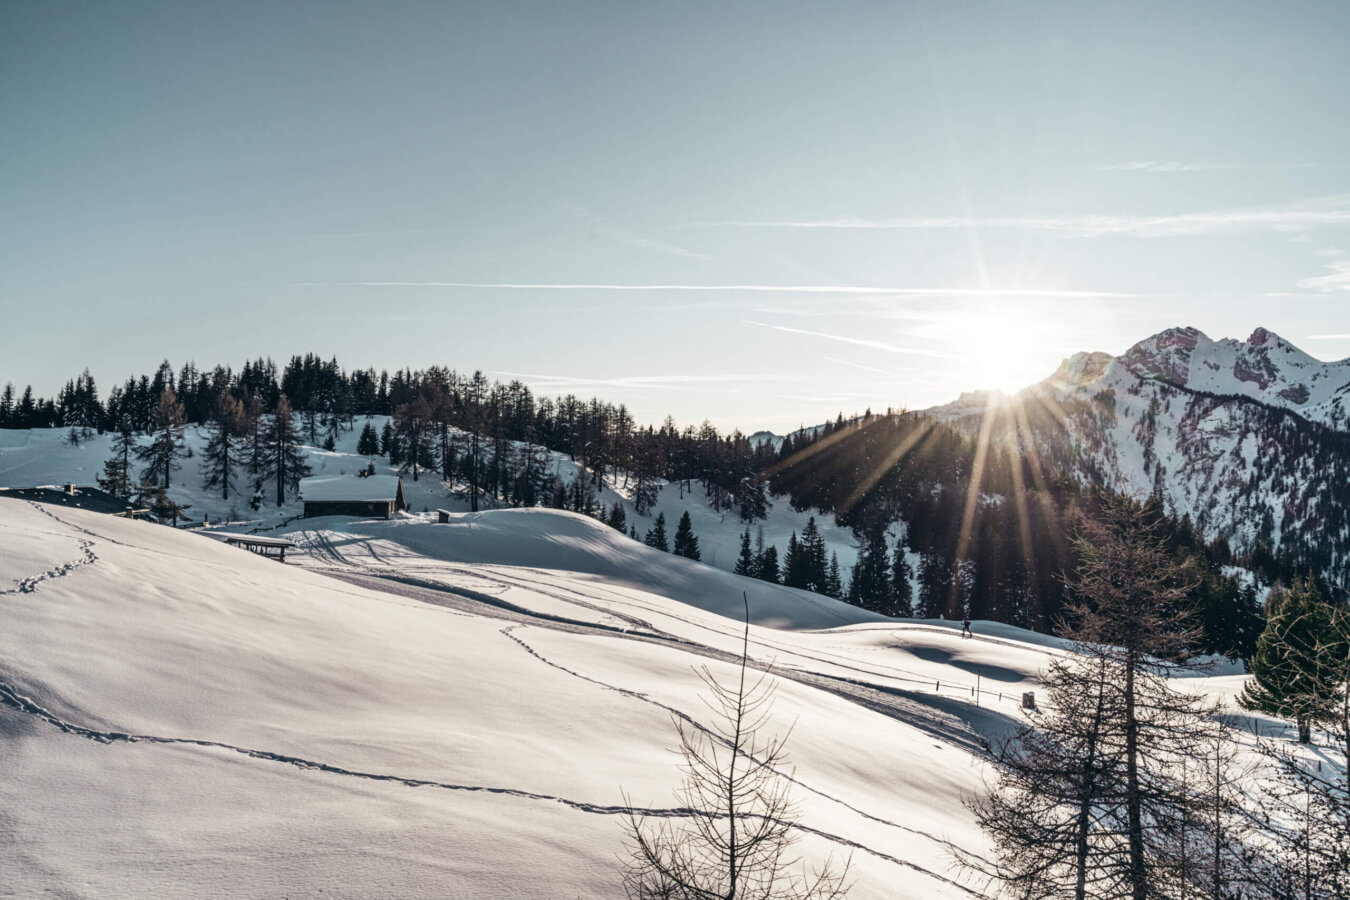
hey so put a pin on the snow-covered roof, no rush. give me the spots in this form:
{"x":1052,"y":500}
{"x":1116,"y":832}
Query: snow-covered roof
{"x":349,"y":487}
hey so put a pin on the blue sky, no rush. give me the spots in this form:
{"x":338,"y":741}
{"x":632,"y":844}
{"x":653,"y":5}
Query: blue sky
{"x":821,"y":206}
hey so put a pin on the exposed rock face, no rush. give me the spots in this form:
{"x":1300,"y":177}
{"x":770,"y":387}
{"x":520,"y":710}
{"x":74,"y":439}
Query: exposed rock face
{"x":1265,"y":367}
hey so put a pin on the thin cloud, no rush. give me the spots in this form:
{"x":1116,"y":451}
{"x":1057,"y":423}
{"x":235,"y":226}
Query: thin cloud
{"x":1338,"y":279}
{"x":1174,"y":166}
{"x":859,"y":342}
{"x":1272,"y":219}
{"x":1329,"y":337}
{"x":640,"y":382}
{"x":751,"y":288}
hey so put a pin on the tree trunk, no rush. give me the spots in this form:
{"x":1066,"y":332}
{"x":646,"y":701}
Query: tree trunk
{"x":1133,"y":800}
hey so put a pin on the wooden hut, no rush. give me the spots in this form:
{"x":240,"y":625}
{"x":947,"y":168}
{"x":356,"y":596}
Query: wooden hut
{"x":375,"y":496}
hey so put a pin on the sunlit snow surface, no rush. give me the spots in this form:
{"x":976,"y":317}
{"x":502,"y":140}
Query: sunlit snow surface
{"x":454,"y":710}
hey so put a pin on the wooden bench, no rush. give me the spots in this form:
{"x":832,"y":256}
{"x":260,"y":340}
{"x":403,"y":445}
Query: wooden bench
{"x":263,"y":546}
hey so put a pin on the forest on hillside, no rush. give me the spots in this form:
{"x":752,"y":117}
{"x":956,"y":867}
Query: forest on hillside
{"x":982,"y":533}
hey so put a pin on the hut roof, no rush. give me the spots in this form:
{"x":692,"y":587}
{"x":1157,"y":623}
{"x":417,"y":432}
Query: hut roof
{"x":339,"y":488}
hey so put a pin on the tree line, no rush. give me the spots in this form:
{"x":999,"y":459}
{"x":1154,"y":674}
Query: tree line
{"x":980,"y":534}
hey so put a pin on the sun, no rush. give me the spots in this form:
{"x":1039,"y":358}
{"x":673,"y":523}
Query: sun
{"x":1001,"y":351}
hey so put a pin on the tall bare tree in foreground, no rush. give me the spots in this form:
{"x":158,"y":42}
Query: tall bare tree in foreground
{"x":734,"y":843}
{"x":1095,"y":796}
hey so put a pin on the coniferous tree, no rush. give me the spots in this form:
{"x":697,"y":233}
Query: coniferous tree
{"x":745,"y":562}
{"x":166,"y":446}
{"x":412,"y":429}
{"x":284,"y":460}
{"x":368,"y":444}
{"x":870,"y":584}
{"x":766,"y":565}
{"x":902,"y":592}
{"x":222,"y":456}
{"x":834,"y":584}
{"x":656,"y":535}
{"x":1130,"y":606}
{"x":686,"y":542}
{"x":617,"y":518}
{"x":388,"y":444}
{"x":794,"y":564}
{"x":1299,"y":664}
{"x":116,"y":480}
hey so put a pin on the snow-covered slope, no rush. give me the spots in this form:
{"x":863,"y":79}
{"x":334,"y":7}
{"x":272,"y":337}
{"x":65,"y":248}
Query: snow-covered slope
{"x":42,"y":456}
{"x":1265,"y":367}
{"x":182,"y":718}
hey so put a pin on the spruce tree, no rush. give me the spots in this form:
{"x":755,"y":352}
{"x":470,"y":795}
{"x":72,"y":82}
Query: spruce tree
{"x":745,"y":563}
{"x":284,"y":461}
{"x":166,"y":447}
{"x":902,"y":592}
{"x":368,"y":444}
{"x":686,"y":542}
{"x":222,"y":457}
{"x":766,"y":565}
{"x":617,"y":518}
{"x":1299,"y":663}
{"x":656,"y":535}
{"x":834,"y":585}
{"x":388,"y":444}
{"x":116,"y":480}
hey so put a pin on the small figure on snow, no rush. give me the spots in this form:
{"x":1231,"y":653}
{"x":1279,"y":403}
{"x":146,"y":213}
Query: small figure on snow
{"x":965,"y":628}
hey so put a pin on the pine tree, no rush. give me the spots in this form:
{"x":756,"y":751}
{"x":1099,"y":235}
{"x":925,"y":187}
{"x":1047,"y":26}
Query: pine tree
{"x":812,"y":549}
{"x":284,"y":461}
{"x":902,"y":592}
{"x":166,"y":446}
{"x":368,"y":444}
{"x":656,"y":535}
{"x":766,"y":565}
{"x":116,"y":480}
{"x":686,"y":542}
{"x":617,"y":519}
{"x":222,"y":456}
{"x":870,"y":585}
{"x":1299,"y":663}
{"x":745,"y":563}
{"x":794,"y":563}
{"x":834,"y":585}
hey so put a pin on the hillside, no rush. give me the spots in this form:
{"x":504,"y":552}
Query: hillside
{"x":42,"y":456}
{"x":441,"y":728}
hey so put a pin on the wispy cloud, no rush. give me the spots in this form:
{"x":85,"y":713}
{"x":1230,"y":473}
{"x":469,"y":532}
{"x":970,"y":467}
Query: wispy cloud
{"x":859,"y":342}
{"x":1338,"y":279}
{"x":1329,"y":337}
{"x":1174,"y":166}
{"x":751,"y":288}
{"x":1291,"y":218}
{"x":640,"y":382}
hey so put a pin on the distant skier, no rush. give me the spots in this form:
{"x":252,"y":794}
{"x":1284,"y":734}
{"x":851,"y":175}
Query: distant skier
{"x":965,"y":629}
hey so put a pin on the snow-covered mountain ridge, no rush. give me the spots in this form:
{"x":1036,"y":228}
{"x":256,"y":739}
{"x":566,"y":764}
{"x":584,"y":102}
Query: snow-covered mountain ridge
{"x":1265,"y":367}
{"x":1247,"y":438}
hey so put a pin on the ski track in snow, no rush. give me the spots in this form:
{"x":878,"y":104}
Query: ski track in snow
{"x":695,"y":724}
{"x":13,"y":698}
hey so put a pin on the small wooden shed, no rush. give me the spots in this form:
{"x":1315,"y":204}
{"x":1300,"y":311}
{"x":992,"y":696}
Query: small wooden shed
{"x":375,"y":496}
